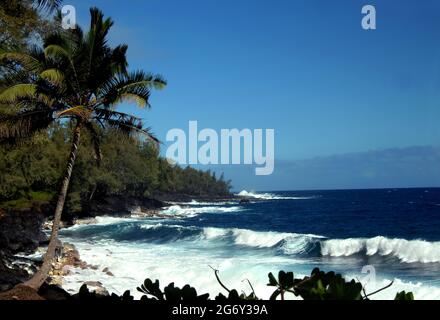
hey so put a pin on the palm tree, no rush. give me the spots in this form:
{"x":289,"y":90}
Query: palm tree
{"x":75,"y":77}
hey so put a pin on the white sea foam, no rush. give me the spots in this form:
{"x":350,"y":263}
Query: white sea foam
{"x":204,"y":203}
{"x":105,"y":220}
{"x":182,"y":265}
{"x":132,"y":263}
{"x":289,"y":243}
{"x":185,"y":262}
{"x":101,"y":221}
{"x":212,"y":233}
{"x":269,"y":196}
{"x":160,"y":225}
{"x":182,"y":211}
{"x":264,"y":239}
{"x":408,"y":251}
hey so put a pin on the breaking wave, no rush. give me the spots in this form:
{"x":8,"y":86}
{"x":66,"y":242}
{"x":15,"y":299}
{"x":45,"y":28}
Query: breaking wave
{"x":142,"y":244}
{"x":269,"y":196}
{"x":188,"y":212}
{"x":247,"y":242}
{"x":204,"y":203}
{"x":290,"y":243}
{"x":408,"y":251}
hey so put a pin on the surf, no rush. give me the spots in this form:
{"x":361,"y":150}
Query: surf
{"x":270,"y":196}
{"x":407,"y":251}
{"x":292,"y":231}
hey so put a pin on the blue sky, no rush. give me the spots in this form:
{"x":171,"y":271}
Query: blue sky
{"x":305,"y":68}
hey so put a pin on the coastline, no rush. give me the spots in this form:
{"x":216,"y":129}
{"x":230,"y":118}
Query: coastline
{"x":24,"y":233}
{"x":144,"y":237}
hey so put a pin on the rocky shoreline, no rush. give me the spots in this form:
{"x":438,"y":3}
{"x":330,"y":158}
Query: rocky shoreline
{"x":22,"y":234}
{"x":69,"y":258}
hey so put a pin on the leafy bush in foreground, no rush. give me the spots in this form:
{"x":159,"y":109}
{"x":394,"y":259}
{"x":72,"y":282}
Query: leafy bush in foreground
{"x":318,"y":286}
{"x":170,"y":293}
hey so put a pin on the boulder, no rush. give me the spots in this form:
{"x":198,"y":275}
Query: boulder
{"x":53,"y":292}
{"x":21,"y":230}
{"x":21,"y":292}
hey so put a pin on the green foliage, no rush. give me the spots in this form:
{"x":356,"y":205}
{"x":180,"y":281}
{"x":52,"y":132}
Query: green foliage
{"x":41,"y":196}
{"x":327,"y":286}
{"x":23,"y":21}
{"x":171,"y":293}
{"x":404,"y":296}
{"x":323,"y":286}
{"x":27,"y":202}
{"x":75,"y":81}
{"x":32,"y":171}
{"x":283,"y":284}
{"x":319,"y":286}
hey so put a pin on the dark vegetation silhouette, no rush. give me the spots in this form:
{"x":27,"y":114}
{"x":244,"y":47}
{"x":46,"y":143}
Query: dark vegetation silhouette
{"x":319,"y":285}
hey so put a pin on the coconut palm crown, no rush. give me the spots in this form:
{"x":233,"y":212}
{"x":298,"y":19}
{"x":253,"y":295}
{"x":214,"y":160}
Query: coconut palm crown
{"x":76,"y":77}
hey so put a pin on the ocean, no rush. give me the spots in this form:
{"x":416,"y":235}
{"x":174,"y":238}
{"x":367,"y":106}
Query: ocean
{"x":394,"y":231}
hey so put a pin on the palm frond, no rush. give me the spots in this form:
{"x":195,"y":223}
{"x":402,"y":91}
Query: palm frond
{"x":24,"y":124}
{"x":140,"y":99}
{"x":59,"y":49}
{"x":31,"y":61}
{"x":108,"y":114}
{"x":119,"y":62}
{"x":99,"y":26}
{"x":96,"y":141}
{"x":24,"y":92}
{"x":53,"y":75}
{"x":133,"y":129}
{"x":56,"y":51}
{"x":96,"y":39}
{"x":124,"y":123}
{"x":135,"y":86}
{"x":148,"y":80}
{"x":78,"y":112}
{"x":14,"y":77}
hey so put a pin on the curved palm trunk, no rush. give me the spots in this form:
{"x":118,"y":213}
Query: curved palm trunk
{"x":38,"y":279}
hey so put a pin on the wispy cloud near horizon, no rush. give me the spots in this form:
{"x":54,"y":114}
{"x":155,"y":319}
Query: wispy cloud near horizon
{"x":417,"y":166}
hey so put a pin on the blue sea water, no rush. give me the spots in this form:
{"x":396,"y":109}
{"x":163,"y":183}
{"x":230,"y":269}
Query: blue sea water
{"x":396,"y":231}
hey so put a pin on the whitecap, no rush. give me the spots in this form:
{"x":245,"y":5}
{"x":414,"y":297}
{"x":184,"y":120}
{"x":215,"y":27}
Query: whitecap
{"x":408,"y":251}
{"x":182,"y":211}
{"x":270,"y":196}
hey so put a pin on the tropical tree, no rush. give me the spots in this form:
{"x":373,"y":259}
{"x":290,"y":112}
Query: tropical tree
{"x":24,"y":21}
{"x":75,"y":77}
